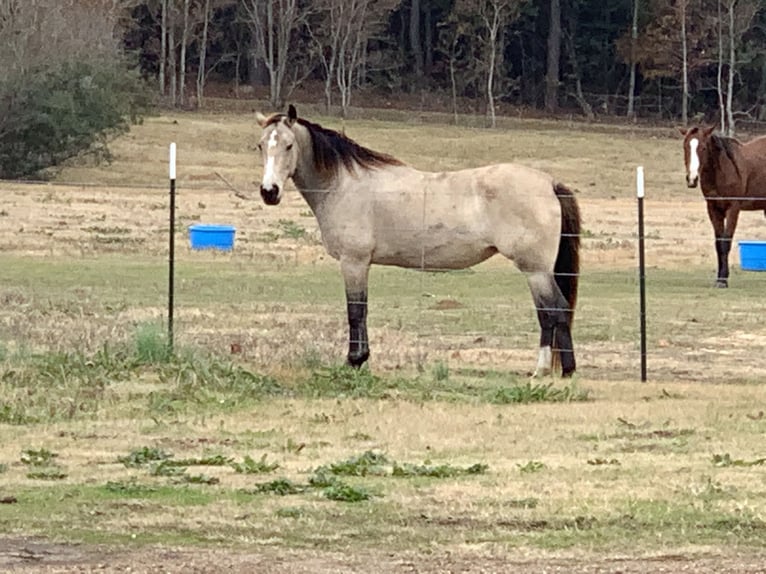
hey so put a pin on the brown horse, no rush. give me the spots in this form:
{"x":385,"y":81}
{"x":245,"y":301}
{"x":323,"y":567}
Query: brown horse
{"x":732,"y":177}
{"x":374,"y":209}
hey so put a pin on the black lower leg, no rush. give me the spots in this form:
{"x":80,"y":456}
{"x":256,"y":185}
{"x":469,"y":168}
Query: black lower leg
{"x":554,"y":316}
{"x":358,"y":346}
{"x":547,"y":324}
{"x":722,"y":249}
{"x":565,"y":348}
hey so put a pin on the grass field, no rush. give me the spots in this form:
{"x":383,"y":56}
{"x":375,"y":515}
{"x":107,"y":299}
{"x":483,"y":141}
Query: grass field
{"x":252,"y":447}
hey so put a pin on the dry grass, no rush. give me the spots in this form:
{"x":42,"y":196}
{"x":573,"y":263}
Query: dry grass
{"x":84,"y":265}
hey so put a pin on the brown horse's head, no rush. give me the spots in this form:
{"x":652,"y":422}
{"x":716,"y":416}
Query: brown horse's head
{"x":697,"y":150}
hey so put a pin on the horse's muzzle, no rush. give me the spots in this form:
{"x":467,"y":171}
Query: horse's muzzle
{"x":691,"y":182}
{"x":270,"y":195}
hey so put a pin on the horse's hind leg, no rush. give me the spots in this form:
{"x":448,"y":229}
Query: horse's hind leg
{"x":355,"y":273}
{"x":553,"y":313}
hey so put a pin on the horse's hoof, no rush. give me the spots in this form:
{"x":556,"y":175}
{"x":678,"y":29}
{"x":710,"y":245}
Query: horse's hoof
{"x":721,"y":284}
{"x":567,"y":374}
{"x":357,"y":360}
{"x":540,"y":373}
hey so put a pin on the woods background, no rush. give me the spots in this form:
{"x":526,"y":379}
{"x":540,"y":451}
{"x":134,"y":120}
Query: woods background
{"x":683,"y":61}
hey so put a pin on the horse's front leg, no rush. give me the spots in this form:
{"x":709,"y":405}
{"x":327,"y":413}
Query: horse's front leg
{"x":732,"y":216}
{"x":722,"y":244}
{"x":355,"y":272}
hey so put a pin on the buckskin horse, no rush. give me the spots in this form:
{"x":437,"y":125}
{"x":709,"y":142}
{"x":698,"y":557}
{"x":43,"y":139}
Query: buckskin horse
{"x":373,"y":209}
{"x":732,"y":177}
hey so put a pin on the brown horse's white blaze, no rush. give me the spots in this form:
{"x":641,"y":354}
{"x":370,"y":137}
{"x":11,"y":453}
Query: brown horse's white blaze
{"x":732,"y":177}
{"x":693,"y":171}
{"x":373,"y":209}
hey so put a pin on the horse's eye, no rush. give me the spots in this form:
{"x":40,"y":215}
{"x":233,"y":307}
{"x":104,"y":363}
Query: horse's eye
{"x":260,"y":147}
{"x":289,"y":147}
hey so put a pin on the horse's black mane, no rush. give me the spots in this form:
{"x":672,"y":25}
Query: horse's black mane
{"x":332,"y":148}
{"x":729,"y":146}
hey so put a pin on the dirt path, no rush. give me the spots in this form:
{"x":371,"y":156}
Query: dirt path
{"x":33,"y":555}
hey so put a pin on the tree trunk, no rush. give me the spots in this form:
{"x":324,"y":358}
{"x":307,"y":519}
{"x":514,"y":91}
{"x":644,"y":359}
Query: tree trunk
{"x":719,"y":76}
{"x":685,"y":69}
{"x":428,"y":48}
{"x":184,"y":40}
{"x":732,"y":64}
{"x":572,"y":54}
{"x":163,"y":45}
{"x":633,"y":41}
{"x":172,"y":58}
{"x":554,"y":57}
{"x":201,"y":72}
{"x":491,"y":68}
{"x":415,"y":43}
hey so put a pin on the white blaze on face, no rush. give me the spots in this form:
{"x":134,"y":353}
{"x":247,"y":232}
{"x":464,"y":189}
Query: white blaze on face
{"x":694,"y":160}
{"x":268,"y":171}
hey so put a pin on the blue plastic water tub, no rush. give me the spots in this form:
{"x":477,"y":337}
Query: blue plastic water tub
{"x":752,"y":255}
{"x":205,"y":236}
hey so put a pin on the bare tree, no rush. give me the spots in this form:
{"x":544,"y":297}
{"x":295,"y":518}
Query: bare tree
{"x":494,"y":16}
{"x":273,"y":24}
{"x":182,"y":65}
{"x":681,"y":7}
{"x":737,"y":20}
{"x":163,"y":45}
{"x":633,"y":63}
{"x":340,"y":34}
{"x":554,"y":57}
{"x":201,"y":68}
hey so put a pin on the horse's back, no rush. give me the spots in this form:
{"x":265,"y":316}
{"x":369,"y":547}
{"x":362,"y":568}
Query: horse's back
{"x":457,"y":219}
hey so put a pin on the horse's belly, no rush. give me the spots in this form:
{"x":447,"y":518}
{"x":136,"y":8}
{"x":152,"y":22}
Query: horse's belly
{"x":434,"y":252}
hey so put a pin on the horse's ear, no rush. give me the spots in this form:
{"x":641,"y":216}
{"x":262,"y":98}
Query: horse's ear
{"x":261,"y":119}
{"x":683,"y":131}
{"x":292,"y":114}
{"x":708,"y":131}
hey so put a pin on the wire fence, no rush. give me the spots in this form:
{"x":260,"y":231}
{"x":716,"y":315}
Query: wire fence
{"x":88,"y":264}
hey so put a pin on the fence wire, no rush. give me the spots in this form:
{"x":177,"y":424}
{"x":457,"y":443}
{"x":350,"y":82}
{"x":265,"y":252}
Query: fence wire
{"x":481,"y":316}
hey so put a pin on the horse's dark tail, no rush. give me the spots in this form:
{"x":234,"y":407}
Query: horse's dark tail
{"x":567,"y":268}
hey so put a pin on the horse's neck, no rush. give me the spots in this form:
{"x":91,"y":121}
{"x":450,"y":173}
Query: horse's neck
{"x":310,"y":184}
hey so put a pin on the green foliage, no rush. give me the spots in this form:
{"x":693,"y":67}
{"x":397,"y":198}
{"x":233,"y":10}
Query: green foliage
{"x":725,"y":460}
{"x":43,"y":464}
{"x":47,"y":473}
{"x":343,"y":380}
{"x":252,"y":466}
{"x":366,"y":464}
{"x":343,"y":492}
{"x":280,"y":487}
{"x":58,"y":112}
{"x":38,"y":457}
{"x":151,"y":345}
{"x":531,"y":466}
{"x":144,"y":455}
{"x":291,"y":229}
{"x":441,"y":371}
{"x":437,"y":471}
{"x":166,"y":468}
{"x":289,"y":512}
{"x":537,"y":393}
{"x":130,"y":488}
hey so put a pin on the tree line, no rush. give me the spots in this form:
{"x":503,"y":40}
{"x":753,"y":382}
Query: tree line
{"x":664,"y":59}
{"x":75,"y":72}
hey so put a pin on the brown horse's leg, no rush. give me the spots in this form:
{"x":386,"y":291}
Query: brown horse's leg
{"x":717,"y":216}
{"x":355,"y":275}
{"x":732,"y":216}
